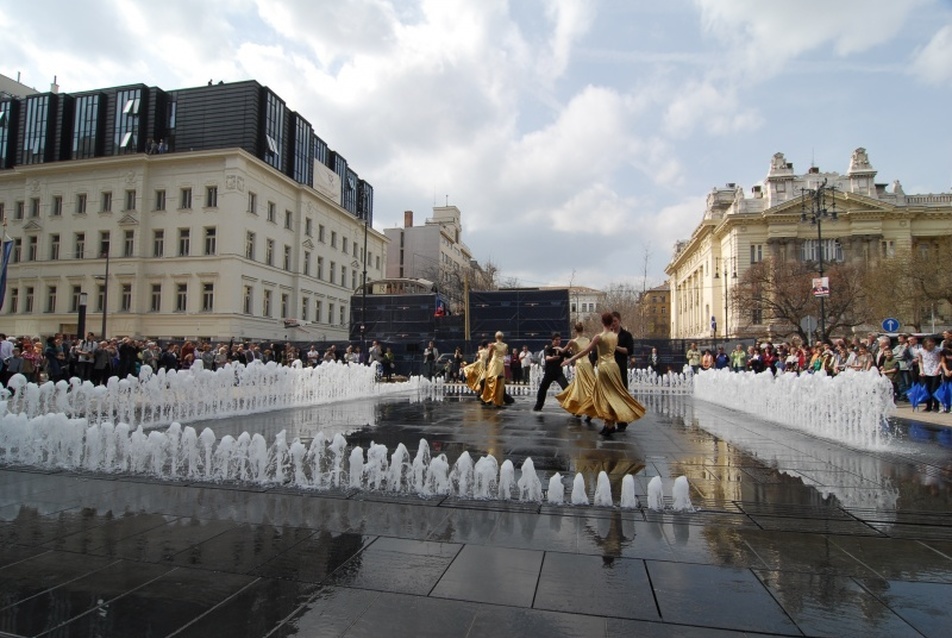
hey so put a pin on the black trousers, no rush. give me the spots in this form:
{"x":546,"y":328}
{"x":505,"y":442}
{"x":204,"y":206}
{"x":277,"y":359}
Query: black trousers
{"x":551,"y":376}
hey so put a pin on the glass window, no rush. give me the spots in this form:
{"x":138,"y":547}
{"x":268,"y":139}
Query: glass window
{"x":32,"y":245}
{"x":305,"y":307}
{"x":51,"y":299}
{"x":269,"y":252}
{"x":332,"y":272}
{"x":274,"y":131}
{"x":74,"y":298}
{"x":208,"y":296}
{"x":81,"y":204}
{"x":106,"y":202}
{"x":28,"y":300}
{"x":330,"y":313}
{"x":130,"y":199}
{"x":79,"y":245}
{"x":287,"y":258}
{"x":126,"y":126}
{"x":318,"y":309}
{"x":54,"y":247}
{"x":272,"y":212}
{"x":158,"y":242}
{"x":288,"y":218}
{"x":18,"y":210}
{"x":308,"y":223}
{"x":34,"y":207}
{"x":125,"y":298}
{"x":181,"y":297}
{"x":320,"y":268}
{"x":284,"y":304}
{"x":100,"y":297}
{"x":211,"y":197}
{"x":85,"y":126}
{"x":333,"y":239}
{"x":57,"y":210}
{"x":266,"y":304}
{"x":160,"y":199}
{"x":307,"y":263}
{"x":35,"y":126}
{"x":252,"y":203}
{"x":185,"y":198}
{"x":104,"y":238}
{"x":320,"y":233}
{"x":303,"y":169}
{"x":184,"y":241}
{"x":248,"y":299}
{"x":155,"y":302}
{"x":250,"y":245}
{"x":211,"y":241}
{"x":14,"y":300}
{"x":129,"y":243}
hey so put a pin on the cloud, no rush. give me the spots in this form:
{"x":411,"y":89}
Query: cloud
{"x":716,"y":109}
{"x":764,"y":36}
{"x":933,"y":62}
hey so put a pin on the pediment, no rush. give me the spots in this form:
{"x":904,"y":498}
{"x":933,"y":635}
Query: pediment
{"x":32,"y":226}
{"x":308,"y":244}
{"x":845,"y":204}
{"x":128,"y":220}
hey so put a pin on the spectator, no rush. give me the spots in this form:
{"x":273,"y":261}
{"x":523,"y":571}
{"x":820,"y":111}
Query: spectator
{"x":721,"y":360}
{"x":693,"y":356}
{"x":739,"y":358}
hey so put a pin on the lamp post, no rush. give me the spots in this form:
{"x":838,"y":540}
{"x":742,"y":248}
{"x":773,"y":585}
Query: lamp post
{"x":727,"y":265}
{"x":81,"y":316}
{"x":363,"y":294}
{"x":105,"y":292}
{"x":815,"y":212}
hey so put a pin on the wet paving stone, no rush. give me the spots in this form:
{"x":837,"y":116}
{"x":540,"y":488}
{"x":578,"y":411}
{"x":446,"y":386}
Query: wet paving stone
{"x":834,"y":606}
{"x":397,"y":565}
{"x":26,"y":578}
{"x":719,"y":597}
{"x":494,"y":575}
{"x":158,"y":607}
{"x":925,"y":606}
{"x":61,"y":604}
{"x":315,"y":558}
{"x":162,"y":544}
{"x":241,"y":549}
{"x":597,"y":585}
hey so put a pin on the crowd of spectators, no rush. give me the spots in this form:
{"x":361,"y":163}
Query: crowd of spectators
{"x":60,"y":357}
{"x":906,"y":362}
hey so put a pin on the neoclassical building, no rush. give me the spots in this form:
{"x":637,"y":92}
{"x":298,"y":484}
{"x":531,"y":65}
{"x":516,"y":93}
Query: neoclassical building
{"x":213,"y":212}
{"x":739,"y":229}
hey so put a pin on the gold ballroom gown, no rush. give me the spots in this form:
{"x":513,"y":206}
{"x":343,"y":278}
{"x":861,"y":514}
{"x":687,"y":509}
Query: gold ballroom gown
{"x":476,"y":371}
{"x":581,"y":386}
{"x":494,"y":391}
{"x":610,"y":401}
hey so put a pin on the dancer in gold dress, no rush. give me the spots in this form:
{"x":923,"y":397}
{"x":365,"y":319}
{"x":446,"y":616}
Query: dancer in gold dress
{"x":580,"y":388}
{"x":475,"y":373}
{"x":494,"y":392}
{"x":610,"y":400}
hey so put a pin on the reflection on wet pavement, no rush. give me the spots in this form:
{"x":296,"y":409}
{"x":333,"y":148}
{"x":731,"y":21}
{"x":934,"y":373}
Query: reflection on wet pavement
{"x":793,"y":536}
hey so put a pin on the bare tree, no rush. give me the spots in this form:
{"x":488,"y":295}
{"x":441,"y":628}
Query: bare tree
{"x":778,"y":293}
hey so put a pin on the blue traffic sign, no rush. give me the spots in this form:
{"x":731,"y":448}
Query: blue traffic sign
{"x":890,"y":324}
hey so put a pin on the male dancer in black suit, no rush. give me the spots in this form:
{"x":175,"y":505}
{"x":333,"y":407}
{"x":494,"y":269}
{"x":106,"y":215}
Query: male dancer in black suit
{"x":624,"y":349}
{"x":553,"y":370}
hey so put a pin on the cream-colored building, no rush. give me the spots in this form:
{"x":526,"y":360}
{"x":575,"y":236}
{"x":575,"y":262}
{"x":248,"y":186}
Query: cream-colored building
{"x":739,"y":229}
{"x":207,"y":244}
{"x":435,"y":251}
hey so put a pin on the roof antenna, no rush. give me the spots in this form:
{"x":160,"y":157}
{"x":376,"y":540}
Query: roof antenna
{"x":447,"y":199}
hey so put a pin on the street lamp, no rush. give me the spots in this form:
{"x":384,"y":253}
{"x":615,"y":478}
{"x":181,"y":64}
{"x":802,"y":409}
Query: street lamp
{"x":815,"y":212}
{"x":727,"y":265}
{"x":363,"y":292}
{"x":81,"y":316}
{"x":105,"y":292}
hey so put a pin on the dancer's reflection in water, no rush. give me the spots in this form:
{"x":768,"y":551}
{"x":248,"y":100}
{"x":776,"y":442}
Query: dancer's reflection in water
{"x":612,"y":535}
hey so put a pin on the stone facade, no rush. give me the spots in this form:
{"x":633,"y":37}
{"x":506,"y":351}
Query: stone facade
{"x":738,"y":229}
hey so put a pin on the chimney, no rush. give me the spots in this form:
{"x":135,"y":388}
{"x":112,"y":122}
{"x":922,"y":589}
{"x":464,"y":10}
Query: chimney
{"x":814,"y":170}
{"x":54,"y":87}
{"x":408,"y":219}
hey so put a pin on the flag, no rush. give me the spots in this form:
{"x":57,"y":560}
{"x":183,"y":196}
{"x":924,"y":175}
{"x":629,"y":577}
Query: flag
{"x":7,"y":251}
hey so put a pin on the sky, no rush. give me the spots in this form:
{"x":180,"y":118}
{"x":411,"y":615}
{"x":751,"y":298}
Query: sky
{"x":578,"y":138}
